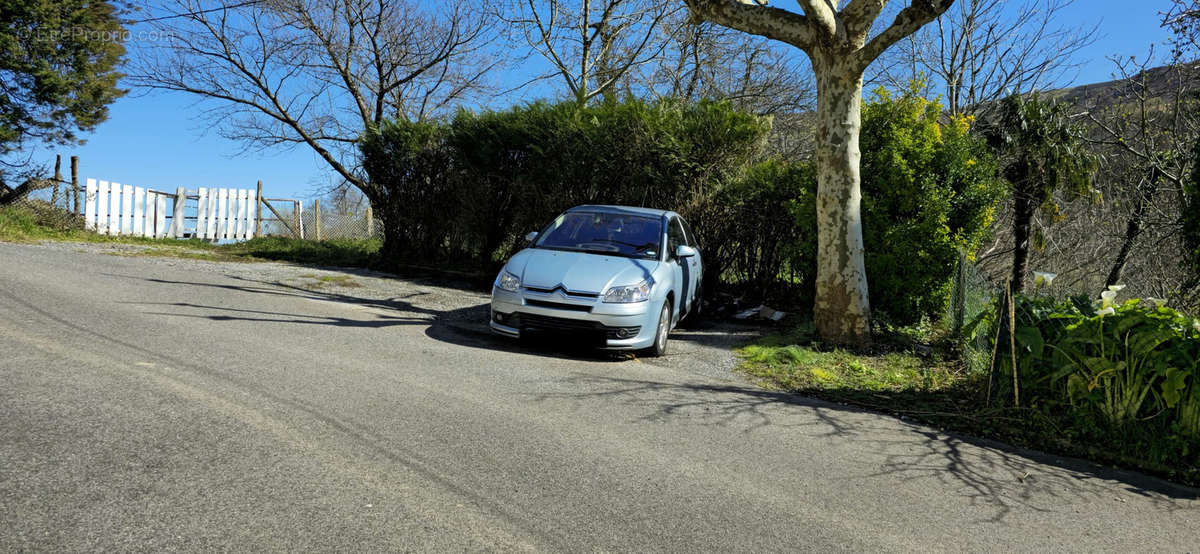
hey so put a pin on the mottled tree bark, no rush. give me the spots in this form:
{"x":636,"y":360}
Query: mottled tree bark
{"x":842,"y":307}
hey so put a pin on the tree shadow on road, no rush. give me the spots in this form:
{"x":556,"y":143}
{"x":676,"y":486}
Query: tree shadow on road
{"x":993,"y":476}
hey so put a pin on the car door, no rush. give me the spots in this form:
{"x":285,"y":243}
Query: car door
{"x":680,"y":267}
{"x":696,"y":265}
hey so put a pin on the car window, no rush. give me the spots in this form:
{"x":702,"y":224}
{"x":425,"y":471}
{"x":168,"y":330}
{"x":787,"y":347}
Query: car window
{"x":675,"y":237}
{"x":691,"y":237}
{"x":618,"y":234}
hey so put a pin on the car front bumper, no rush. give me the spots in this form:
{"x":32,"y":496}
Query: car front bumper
{"x":620,"y":326}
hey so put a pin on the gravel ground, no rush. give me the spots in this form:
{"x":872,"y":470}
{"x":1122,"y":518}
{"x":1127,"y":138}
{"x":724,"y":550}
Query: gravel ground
{"x":457,"y":312}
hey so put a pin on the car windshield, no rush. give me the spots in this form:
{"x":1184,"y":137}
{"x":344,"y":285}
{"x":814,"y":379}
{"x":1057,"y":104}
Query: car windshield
{"x":616,"y":234}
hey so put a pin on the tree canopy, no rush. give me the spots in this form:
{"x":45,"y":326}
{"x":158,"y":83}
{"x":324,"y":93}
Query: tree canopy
{"x":58,"y":61}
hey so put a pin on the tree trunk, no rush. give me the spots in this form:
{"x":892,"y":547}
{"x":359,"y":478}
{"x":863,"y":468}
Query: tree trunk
{"x":1023,"y":210}
{"x":1133,"y":228}
{"x":842,"y":311}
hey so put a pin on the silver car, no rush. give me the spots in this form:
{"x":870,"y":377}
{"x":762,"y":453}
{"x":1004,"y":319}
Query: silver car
{"x":625,"y":276}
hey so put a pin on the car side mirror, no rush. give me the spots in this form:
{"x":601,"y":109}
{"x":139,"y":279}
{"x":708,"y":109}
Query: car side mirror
{"x":684,"y":251}
{"x":532,"y":235}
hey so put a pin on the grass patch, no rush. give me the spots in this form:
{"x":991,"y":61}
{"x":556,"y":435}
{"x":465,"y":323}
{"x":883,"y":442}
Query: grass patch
{"x":25,"y":224}
{"x":337,"y":252}
{"x":895,"y":377}
{"x":345,"y":281}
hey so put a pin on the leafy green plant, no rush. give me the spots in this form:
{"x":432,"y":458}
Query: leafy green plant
{"x":1129,"y":366}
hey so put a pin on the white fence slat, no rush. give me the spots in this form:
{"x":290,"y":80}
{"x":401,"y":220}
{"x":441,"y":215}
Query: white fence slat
{"x":241,"y":215}
{"x":102,"y":208}
{"x":251,"y":208}
{"x":222,"y":206}
{"x":160,"y":215}
{"x":202,"y":213}
{"x":126,"y":209}
{"x":139,"y":211}
{"x":150,"y":215}
{"x":114,"y":208}
{"x":211,"y":230}
{"x":89,"y":205}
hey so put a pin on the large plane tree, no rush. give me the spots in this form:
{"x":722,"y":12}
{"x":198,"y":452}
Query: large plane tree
{"x":839,"y":42}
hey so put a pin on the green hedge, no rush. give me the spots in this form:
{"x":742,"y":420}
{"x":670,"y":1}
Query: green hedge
{"x":465,"y":192}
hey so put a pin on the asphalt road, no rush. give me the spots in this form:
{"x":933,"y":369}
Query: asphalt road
{"x":177,"y":405}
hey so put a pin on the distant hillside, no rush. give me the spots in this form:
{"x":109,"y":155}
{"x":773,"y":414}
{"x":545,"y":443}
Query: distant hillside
{"x":1158,"y":81}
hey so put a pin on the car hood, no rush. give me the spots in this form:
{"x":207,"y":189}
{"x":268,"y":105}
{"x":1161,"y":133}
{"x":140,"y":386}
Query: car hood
{"x":578,"y":271}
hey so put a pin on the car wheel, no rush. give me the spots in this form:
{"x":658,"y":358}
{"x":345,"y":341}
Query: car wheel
{"x":660,"y":334}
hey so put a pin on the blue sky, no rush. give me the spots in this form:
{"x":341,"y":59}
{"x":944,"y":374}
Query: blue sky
{"x":155,"y":140}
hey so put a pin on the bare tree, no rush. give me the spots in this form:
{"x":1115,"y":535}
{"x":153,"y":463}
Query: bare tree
{"x":1149,"y":125}
{"x":315,"y":73}
{"x":704,"y":60}
{"x":590,"y":44}
{"x":983,"y":50}
{"x":836,"y":42}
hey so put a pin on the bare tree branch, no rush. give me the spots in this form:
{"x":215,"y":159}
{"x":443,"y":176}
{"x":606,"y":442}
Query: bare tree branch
{"x":316,"y":73}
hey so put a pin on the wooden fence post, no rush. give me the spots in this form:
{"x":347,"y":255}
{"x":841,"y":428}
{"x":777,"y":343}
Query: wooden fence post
{"x":177,"y":213}
{"x":58,"y":180}
{"x":75,"y":182}
{"x":297,"y":229}
{"x":317,"y":217}
{"x":370,"y":221}
{"x":258,"y":210}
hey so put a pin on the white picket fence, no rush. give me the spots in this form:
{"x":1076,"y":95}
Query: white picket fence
{"x":221,"y":214}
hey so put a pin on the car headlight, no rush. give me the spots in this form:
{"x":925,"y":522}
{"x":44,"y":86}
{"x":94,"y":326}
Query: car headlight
{"x":509,"y":282}
{"x":630,"y":293}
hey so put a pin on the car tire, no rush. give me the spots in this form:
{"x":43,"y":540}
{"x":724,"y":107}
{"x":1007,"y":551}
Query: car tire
{"x":660,"y":334}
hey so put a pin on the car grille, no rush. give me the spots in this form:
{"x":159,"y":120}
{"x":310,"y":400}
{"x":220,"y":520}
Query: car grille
{"x":557,"y":305}
{"x":525,"y":321}
{"x":565,"y":291}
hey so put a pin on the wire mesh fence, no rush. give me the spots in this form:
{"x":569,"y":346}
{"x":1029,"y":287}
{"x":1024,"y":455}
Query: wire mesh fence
{"x":328,"y":224}
{"x":973,"y":296}
{"x":51,"y":203}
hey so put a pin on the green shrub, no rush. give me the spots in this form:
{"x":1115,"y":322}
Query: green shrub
{"x":767,"y":225}
{"x":929,"y":188}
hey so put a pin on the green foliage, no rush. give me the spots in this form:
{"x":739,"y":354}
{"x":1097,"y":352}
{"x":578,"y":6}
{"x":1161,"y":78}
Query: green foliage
{"x":929,"y":189}
{"x":1041,"y":150}
{"x":416,"y":190}
{"x":336,"y":252}
{"x":1125,"y":377}
{"x":766,"y":222}
{"x":470,"y":189}
{"x":58,"y":58}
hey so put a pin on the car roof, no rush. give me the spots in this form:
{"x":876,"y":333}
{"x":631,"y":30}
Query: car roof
{"x":620,"y":210}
